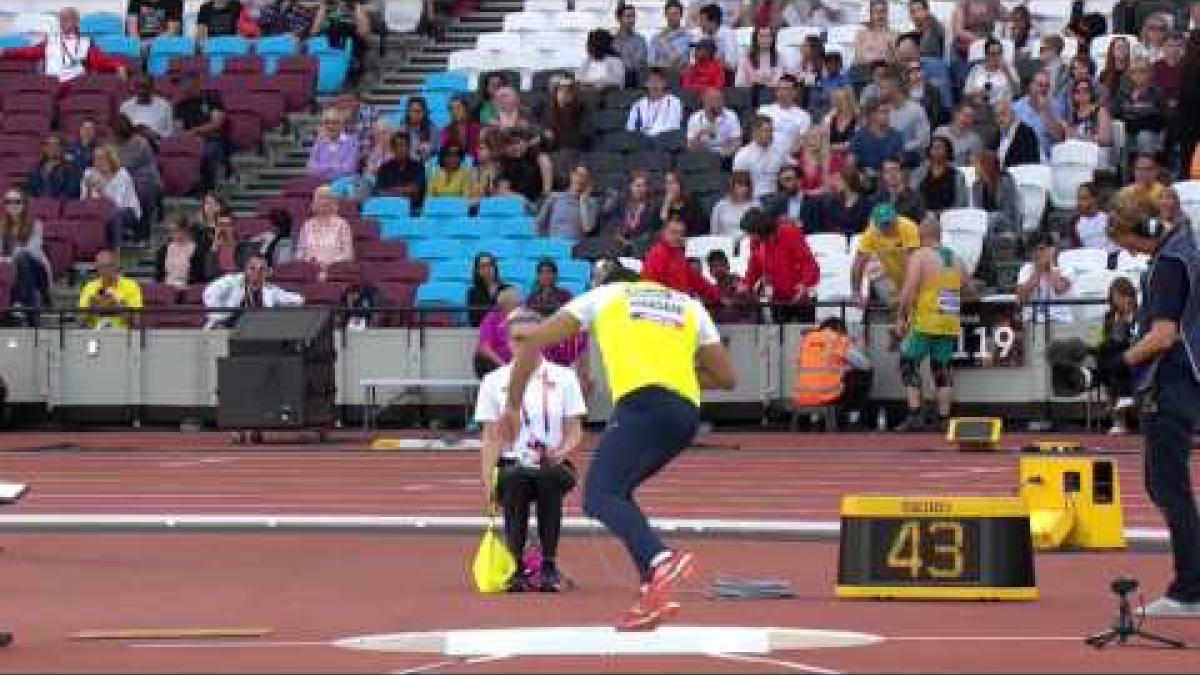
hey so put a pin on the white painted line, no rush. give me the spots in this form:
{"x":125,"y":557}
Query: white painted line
{"x":766,"y":660}
{"x":430,"y":667}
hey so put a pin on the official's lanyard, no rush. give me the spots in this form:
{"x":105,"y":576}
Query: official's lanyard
{"x":545,"y":409}
{"x":70,"y":57}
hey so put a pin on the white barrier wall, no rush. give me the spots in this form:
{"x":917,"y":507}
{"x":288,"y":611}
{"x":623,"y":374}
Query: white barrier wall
{"x":174,"y":367}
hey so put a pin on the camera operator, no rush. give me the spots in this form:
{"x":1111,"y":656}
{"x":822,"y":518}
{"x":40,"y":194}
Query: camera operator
{"x":1165,"y":362}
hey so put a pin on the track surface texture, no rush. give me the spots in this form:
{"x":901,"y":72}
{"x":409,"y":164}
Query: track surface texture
{"x":313,"y":588}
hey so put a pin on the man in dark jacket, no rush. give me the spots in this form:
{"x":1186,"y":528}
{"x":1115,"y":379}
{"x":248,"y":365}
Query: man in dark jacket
{"x":1015,"y":142}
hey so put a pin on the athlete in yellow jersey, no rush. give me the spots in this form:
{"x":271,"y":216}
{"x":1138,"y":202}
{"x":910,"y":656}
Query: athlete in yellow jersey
{"x":929,"y":318}
{"x":659,"y":347}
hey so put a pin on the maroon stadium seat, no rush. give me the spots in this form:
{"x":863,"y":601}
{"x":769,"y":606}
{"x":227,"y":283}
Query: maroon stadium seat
{"x":245,"y":128}
{"x":14,"y":145}
{"x":26,"y":123}
{"x":250,"y":64}
{"x":179,"y":162}
{"x":295,"y":272}
{"x":58,"y":240}
{"x":397,"y":295}
{"x":301,"y":186}
{"x":343,"y":272}
{"x":249,"y":228}
{"x":34,"y":84}
{"x":383,"y":251}
{"x":45,"y":209}
{"x":156,"y":295}
{"x":75,"y":108}
{"x":297,"y":78}
{"x":323,"y":293}
{"x":406,"y":271}
{"x":365,"y":229}
{"x":29,"y":102}
{"x":89,"y":217}
{"x":268,"y":107}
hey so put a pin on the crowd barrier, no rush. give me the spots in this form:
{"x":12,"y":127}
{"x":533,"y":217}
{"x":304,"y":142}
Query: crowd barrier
{"x":1002,"y":360}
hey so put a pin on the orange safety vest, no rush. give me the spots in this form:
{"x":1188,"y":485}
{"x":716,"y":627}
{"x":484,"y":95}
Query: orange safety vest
{"x":820,"y":362}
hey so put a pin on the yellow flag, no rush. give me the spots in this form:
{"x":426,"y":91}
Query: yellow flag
{"x":493,"y":565}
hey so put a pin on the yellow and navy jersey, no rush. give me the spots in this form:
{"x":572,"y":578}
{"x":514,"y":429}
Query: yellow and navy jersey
{"x":648,"y":335}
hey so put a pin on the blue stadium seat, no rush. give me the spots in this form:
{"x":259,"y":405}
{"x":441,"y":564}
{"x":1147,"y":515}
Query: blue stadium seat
{"x":511,"y":227}
{"x":575,"y":287}
{"x":387,"y":207}
{"x":500,"y":248}
{"x":501,"y":206}
{"x":402,"y":228}
{"x":435,"y":249}
{"x":574,"y":270}
{"x":13,"y":41}
{"x":334,"y":65}
{"x":101,"y":23}
{"x":272,"y":48}
{"x":457,"y":227}
{"x":120,"y":45}
{"x":549,"y":247}
{"x":451,"y":82}
{"x":443,"y":294}
{"x":445,"y":206}
{"x":455,"y":269}
{"x":523,"y":282}
{"x":217,"y":49}
{"x":163,"y":49}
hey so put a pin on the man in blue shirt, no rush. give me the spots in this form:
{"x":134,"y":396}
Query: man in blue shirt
{"x":877,"y":140}
{"x":1036,"y":111}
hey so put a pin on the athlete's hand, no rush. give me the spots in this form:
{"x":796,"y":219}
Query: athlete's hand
{"x":508,"y":424}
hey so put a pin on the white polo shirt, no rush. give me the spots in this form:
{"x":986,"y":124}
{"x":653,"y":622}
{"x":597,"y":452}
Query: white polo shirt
{"x":763,"y":165}
{"x":789,"y":124}
{"x":552,"y":396}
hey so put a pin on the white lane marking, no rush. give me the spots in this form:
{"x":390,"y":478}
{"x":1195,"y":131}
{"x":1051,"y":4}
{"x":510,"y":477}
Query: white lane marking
{"x":190,"y":463}
{"x":430,"y":667}
{"x":766,"y":660}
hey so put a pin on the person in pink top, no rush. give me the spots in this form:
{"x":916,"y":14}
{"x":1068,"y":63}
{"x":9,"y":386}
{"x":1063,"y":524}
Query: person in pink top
{"x":493,"y":349}
{"x":326,"y":237}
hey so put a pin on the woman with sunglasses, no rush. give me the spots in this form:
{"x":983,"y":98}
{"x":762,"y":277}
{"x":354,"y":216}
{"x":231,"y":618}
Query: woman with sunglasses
{"x":1088,"y":119}
{"x":21,"y":245}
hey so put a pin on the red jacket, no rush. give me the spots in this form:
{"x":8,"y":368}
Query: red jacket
{"x":703,"y":75}
{"x":784,"y":261}
{"x":96,"y":61}
{"x":669,"y":266}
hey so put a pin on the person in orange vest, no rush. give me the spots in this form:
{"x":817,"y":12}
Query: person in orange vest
{"x":832,"y":370}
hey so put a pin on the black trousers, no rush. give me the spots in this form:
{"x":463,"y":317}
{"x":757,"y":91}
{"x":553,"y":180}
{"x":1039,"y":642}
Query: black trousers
{"x":1169,"y":416}
{"x":518,"y":487}
{"x":856,"y":389}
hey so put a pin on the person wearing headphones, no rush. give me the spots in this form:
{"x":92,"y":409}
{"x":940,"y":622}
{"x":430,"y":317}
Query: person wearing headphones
{"x":535,"y":467}
{"x":1165,"y":362}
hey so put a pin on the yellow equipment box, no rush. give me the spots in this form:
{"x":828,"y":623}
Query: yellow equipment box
{"x":1073,"y":501}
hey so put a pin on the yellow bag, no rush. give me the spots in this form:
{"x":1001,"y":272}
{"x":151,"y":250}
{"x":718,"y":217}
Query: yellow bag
{"x":493,"y":565}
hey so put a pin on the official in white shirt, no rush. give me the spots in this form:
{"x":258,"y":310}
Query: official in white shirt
{"x":248,"y":289}
{"x":658,"y":111}
{"x":536,"y":468}
{"x":790,"y":119}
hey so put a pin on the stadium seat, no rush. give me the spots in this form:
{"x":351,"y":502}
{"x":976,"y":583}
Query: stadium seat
{"x":296,"y":271}
{"x":25,"y":123}
{"x":248,"y":228}
{"x":323,"y":293}
{"x":246,"y":64}
{"x":963,"y":232}
{"x":179,"y":163}
{"x":1034,"y":182}
{"x":445,"y":206}
{"x":1073,"y":163}
{"x":501,"y":206}
{"x":1078,"y":261}
{"x":828,"y":245}
{"x":13,"y":41}
{"x":434,"y":249}
{"x":500,"y":248}
{"x":163,"y":49}
{"x":512,"y":227}
{"x":334,"y":65}
{"x":219,"y":49}
{"x":442,"y":295}
{"x":297,"y":79}
{"x":404,"y":229}
{"x":102,"y":23}
{"x":244,"y":128}
{"x":407,"y":271}
{"x":119,"y":45}
{"x":455,"y":269}
{"x":29,"y":102}
{"x":574,"y":270}
{"x":387,"y":208}
{"x":549,"y":247}
{"x":447,"y":82}
{"x":273,"y":48}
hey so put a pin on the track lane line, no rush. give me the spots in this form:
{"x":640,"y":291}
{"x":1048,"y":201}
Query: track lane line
{"x":769,"y":661}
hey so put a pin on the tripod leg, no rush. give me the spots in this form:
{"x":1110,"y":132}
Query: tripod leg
{"x":1102,"y":640}
{"x":1169,"y":642}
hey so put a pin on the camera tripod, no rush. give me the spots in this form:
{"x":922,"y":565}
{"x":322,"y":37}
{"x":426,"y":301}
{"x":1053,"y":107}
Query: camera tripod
{"x":1125,"y":627}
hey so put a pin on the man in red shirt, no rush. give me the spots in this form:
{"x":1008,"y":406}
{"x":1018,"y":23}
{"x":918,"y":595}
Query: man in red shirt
{"x":782,"y":261}
{"x":67,"y":55}
{"x":666,"y":262}
{"x":707,"y":72}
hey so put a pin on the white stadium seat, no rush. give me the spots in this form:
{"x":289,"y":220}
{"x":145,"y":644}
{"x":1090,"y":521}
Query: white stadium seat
{"x":1034,"y":182}
{"x":1073,"y":163}
{"x":963,"y":231}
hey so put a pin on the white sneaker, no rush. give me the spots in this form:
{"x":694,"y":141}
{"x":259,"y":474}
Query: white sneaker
{"x":1124,"y":403}
{"x":1171,"y":608}
{"x":1118,"y":429}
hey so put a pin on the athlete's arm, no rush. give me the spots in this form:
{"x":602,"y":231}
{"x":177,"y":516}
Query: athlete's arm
{"x":714,"y":368}
{"x":1162,"y":336}
{"x":489,"y":454}
{"x":912,"y":283}
{"x":572,"y":437}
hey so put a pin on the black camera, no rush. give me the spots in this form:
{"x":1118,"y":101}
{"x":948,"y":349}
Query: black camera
{"x":1123,"y":586}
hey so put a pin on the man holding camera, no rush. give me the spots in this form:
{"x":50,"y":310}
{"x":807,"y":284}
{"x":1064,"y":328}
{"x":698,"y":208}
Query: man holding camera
{"x":1165,"y":362}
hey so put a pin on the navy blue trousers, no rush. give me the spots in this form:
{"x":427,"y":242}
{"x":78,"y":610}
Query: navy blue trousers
{"x":649,"y":428}
{"x":1169,"y":415}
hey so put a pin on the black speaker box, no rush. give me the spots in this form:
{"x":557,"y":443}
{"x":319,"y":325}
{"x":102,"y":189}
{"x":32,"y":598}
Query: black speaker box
{"x":305,"y":332}
{"x":274,"y":392}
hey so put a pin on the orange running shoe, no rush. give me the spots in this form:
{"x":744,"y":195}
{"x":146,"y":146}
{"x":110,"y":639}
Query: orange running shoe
{"x":645,"y":618}
{"x":678,"y":566}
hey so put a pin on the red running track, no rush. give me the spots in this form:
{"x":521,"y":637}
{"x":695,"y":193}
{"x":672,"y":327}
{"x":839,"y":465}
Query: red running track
{"x":312,"y":589}
{"x":736,"y":476}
